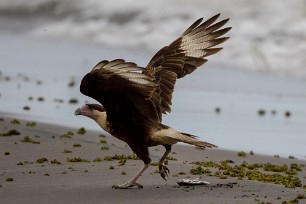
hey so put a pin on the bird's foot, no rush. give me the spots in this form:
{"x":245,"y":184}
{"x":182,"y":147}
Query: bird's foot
{"x":127,"y":185}
{"x":163,"y":170}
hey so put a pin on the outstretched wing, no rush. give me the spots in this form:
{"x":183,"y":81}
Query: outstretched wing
{"x":127,"y":90}
{"x":183,"y":56}
{"x":123,"y":89}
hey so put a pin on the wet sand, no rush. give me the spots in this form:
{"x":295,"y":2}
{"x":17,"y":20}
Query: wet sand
{"x":35,"y":169}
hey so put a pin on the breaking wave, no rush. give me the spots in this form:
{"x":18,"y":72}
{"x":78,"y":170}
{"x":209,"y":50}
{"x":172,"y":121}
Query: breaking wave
{"x":267,"y":36}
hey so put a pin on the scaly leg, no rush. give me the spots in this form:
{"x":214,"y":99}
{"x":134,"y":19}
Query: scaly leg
{"x":163,"y":169}
{"x":132,"y":182}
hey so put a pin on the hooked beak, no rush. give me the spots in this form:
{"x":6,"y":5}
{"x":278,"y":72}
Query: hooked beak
{"x":78,"y":111}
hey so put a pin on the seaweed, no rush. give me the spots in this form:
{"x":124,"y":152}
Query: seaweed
{"x":71,"y":83}
{"x":41,"y":160}
{"x":58,"y":100}
{"x":76,"y":159}
{"x":241,"y":154}
{"x":217,"y":110}
{"x":9,"y":179}
{"x":15,"y":121}
{"x":68,"y":134}
{"x":77,"y":145}
{"x":154,"y":163}
{"x":28,"y":139}
{"x":10,"y":133}
{"x":98,"y":159}
{"x":121,"y":158}
{"x":55,"y":161}
{"x":67,"y":151}
{"x":104,"y":148}
{"x":23,"y":163}
{"x":281,"y":174}
{"x":81,"y":131}
{"x":40,"y":99}
{"x":199,"y":170}
{"x":31,"y":124}
{"x":261,"y":112}
{"x":73,"y":101}
{"x":26,"y":108}
{"x":171,"y":158}
{"x":287,"y":114}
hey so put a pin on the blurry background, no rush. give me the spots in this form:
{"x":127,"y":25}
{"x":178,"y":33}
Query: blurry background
{"x":268,"y":35}
{"x":250,"y":96}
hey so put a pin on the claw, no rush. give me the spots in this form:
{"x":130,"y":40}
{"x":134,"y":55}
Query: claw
{"x":164,"y":171}
{"x":132,"y":182}
{"x":127,"y":185}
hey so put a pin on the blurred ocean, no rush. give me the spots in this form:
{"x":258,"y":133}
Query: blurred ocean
{"x":268,"y":36}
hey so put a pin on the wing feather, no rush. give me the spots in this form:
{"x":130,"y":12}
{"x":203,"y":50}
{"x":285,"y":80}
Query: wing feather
{"x":123,"y":89}
{"x":126,"y":90}
{"x":184,"y":55}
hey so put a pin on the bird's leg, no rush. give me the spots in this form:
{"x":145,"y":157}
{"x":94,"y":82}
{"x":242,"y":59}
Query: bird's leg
{"x":163,"y":169}
{"x":132,"y":182}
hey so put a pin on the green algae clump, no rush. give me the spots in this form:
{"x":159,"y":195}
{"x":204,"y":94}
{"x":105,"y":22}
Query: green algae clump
{"x":277,"y":174}
{"x":77,"y":159}
{"x":28,"y":139}
{"x":10,"y":133}
{"x":81,"y":131}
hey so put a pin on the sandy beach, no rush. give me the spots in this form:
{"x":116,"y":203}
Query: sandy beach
{"x":54,"y":164}
{"x":249,"y":100}
{"x":48,"y":162}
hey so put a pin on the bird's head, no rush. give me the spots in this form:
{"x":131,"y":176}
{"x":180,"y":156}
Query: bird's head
{"x":93,"y":111}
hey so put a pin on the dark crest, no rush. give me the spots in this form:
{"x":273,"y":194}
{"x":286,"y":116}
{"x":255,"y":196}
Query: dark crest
{"x":96,"y":107}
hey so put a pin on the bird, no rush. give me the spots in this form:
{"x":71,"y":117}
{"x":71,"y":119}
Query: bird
{"x":132,"y":99}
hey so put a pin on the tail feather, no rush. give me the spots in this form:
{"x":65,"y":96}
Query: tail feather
{"x":168,"y":135}
{"x":193,"y":140}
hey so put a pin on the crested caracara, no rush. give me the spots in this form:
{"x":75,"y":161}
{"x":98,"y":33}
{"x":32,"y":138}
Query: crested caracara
{"x":134,"y":98}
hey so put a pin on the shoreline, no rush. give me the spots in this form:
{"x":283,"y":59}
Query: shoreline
{"x":49,"y":88}
{"x":57,"y":179}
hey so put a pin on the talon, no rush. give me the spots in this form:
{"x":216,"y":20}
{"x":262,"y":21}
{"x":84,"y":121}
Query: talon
{"x":127,"y":185}
{"x":115,"y":186}
{"x":164,"y":171}
{"x":138,"y":185}
{"x":162,"y":174}
{"x":167,"y":170}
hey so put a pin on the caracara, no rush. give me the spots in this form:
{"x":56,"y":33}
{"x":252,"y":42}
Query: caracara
{"x":134,"y":98}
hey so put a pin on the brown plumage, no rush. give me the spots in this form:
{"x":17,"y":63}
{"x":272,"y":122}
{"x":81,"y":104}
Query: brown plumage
{"x":134,"y":98}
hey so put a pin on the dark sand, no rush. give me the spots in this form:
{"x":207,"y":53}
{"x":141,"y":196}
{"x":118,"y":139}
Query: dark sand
{"x":91,"y":182}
